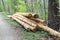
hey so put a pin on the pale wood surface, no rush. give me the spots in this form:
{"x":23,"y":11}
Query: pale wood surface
{"x":30,"y":22}
{"x":26,"y":26}
{"x":51,"y":31}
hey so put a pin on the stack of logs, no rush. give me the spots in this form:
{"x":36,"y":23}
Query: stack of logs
{"x":31,"y":22}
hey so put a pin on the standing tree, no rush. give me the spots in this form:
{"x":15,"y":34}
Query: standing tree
{"x":3,"y":4}
{"x":52,"y":14}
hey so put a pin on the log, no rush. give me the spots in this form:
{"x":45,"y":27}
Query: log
{"x":29,"y":15}
{"x":34,"y":15}
{"x":51,"y":31}
{"x":9,"y":16}
{"x":26,"y":26}
{"x":24,"y":14}
{"x":31,"y":25}
{"x":38,"y":20}
{"x":28,"y":21}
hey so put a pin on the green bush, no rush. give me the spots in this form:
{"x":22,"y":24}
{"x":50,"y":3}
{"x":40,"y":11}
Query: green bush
{"x":21,"y":7}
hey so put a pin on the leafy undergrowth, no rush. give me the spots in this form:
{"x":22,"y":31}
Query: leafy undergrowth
{"x":10,"y":21}
{"x":32,"y":35}
{"x":38,"y":35}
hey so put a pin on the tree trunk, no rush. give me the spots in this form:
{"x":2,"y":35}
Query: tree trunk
{"x":3,"y":5}
{"x":52,"y":14}
{"x":15,"y":4}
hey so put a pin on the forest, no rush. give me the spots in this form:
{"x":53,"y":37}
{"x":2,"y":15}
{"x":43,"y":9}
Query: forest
{"x":48,"y":10}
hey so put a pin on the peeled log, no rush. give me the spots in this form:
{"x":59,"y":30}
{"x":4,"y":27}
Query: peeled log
{"x":35,"y":15}
{"x":26,"y":26}
{"x":28,"y":21}
{"x":24,"y":14}
{"x":51,"y":31}
{"x":29,"y":15}
{"x":38,"y":20}
{"x":10,"y":16}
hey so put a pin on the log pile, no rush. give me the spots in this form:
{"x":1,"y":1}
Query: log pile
{"x":31,"y":22}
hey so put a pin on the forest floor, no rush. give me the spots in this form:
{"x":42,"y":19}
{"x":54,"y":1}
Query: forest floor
{"x":11,"y":30}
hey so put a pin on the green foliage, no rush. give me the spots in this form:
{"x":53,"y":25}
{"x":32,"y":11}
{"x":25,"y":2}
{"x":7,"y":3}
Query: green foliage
{"x":4,"y":15}
{"x":8,"y":2}
{"x":32,"y":35}
{"x":0,"y":8}
{"x":10,"y":21}
{"x":34,"y":6}
{"x":20,"y":6}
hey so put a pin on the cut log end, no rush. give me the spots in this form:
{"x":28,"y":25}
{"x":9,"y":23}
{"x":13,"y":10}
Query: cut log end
{"x":34,"y":30}
{"x":9,"y":16}
{"x":35,"y":15}
{"x":28,"y":29}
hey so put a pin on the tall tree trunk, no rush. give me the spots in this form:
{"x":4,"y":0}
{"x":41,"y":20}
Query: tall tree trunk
{"x":32,"y":10}
{"x":44,"y":9}
{"x":3,"y":5}
{"x":15,"y":4}
{"x":52,"y":15}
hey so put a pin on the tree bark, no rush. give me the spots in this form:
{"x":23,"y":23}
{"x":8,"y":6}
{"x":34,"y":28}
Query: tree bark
{"x":52,"y":14}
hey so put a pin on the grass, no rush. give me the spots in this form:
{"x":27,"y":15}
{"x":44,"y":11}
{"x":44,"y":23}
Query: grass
{"x":26,"y":35}
{"x":10,"y":21}
{"x":32,"y":35}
